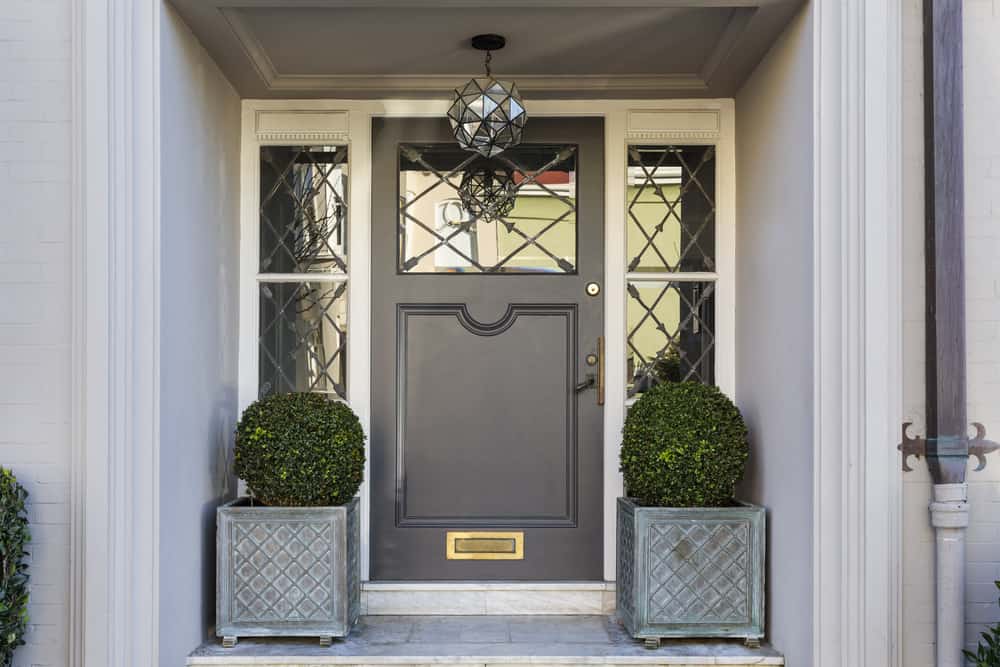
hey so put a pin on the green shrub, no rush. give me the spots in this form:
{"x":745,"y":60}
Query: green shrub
{"x":14,"y":537}
{"x":988,"y":653}
{"x":300,"y":450}
{"x":684,"y":445}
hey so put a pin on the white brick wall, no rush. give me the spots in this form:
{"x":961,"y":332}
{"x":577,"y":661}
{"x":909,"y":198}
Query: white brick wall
{"x":34,"y":297}
{"x":982,"y":165}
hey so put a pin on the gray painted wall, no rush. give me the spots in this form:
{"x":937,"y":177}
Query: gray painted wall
{"x":774,"y":320}
{"x":200,"y":133}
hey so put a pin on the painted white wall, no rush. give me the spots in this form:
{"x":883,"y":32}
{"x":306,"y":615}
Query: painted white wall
{"x":35,"y":251}
{"x":982,"y":205}
{"x":774,"y":320}
{"x":200,"y":134}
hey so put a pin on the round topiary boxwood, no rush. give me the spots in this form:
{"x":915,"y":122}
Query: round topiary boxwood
{"x":684,"y":445}
{"x":300,"y":450}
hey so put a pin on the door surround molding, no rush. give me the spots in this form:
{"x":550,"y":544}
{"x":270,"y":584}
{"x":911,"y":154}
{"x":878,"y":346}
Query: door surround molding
{"x":349,"y":122}
{"x":115,"y":104}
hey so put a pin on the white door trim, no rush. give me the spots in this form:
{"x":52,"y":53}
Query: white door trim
{"x":115,"y":497}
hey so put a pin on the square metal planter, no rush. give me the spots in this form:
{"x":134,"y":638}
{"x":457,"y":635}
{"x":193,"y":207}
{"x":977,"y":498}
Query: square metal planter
{"x":287,"y":571}
{"x":691,"y":572}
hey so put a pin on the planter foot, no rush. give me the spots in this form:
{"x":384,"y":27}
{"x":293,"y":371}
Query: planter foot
{"x":325,"y":641}
{"x":229,"y":642}
{"x":752,"y":642}
{"x":652,"y":644}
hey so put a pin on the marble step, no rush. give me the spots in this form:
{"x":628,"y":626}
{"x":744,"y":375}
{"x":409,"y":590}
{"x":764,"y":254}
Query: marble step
{"x":483,"y":641}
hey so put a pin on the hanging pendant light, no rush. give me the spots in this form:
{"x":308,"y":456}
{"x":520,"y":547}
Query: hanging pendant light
{"x":487,"y":115}
{"x":488,"y":191}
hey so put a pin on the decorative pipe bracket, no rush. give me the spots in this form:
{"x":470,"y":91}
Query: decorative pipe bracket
{"x":978,"y":446}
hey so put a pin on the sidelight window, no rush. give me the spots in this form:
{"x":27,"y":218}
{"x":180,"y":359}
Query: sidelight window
{"x":302,"y":272}
{"x":671,"y":279}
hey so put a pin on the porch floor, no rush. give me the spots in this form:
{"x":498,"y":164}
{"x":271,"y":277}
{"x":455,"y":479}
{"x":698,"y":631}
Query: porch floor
{"x":484,"y":641}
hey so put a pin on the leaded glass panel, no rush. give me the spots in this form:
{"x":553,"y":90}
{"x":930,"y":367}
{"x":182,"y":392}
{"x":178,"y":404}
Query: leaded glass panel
{"x":303,"y":337}
{"x":670,"y":208}
{"x":303,"y":209}
{"x":443,"y":230}
{"x":670,"y":334}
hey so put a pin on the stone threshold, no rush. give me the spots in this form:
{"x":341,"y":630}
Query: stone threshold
{"x":487,"y":598}
{"x":483,"y":641}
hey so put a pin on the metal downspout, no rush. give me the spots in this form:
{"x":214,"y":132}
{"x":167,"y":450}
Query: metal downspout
{"x":947,"y":445}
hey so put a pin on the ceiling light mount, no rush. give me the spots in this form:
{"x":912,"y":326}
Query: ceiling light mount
{"x":488,"y":42}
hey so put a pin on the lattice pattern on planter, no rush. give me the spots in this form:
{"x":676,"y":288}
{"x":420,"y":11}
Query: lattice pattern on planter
{"x":353,"y":531}
{"x":670,"y":333}
{"x":625,"y":584}
{"x":303,"y":209}
{"x":671,"y":208}
{"x":698,"y":572}
{"x":303,"y":337}
{"x":439,"y":232}
{"x":281,"y":571}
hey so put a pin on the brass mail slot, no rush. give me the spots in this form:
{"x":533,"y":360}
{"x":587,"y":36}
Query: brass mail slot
{"x":484,"y":545}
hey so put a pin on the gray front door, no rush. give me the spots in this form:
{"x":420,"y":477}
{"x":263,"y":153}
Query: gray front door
{"x":486,"y":448}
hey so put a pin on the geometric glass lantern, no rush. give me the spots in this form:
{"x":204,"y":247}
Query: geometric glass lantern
{"x":487,"y":116}
{"x":487,"y":190}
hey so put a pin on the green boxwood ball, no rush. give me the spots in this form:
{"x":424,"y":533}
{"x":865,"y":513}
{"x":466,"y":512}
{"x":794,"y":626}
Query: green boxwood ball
{"x":684,"y":445}
{"x":300,"y":450}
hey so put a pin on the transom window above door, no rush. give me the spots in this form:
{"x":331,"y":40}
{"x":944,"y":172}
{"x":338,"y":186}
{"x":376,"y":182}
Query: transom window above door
{"x":462,"y":213}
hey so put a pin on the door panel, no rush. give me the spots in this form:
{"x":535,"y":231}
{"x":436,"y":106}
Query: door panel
{"x":481,"y":330}
{"x":487,"y":447}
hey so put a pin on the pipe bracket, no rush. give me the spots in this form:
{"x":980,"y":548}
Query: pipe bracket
{"x":947,"y":446}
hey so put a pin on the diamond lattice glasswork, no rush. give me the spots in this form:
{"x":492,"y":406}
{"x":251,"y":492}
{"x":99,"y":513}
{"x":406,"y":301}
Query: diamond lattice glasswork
{"x":487,"y":116}
{"x":303,"y":337}
{"x":671,"y":208}
{"x":438,"y":234}
{"x":670,"y":333}
{"x":303,"y":209}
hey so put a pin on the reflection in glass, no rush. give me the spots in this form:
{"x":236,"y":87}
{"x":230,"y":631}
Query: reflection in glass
{"x":439,"y":234}
{"x":488,"y":191}
{"x":303,"y":337}
{"x":671,"y":208}
{"x":303,"y":209}
{"x":670,"y":333}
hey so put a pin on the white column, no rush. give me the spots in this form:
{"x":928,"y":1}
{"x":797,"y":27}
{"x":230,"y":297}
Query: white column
{"x":950,"y":518}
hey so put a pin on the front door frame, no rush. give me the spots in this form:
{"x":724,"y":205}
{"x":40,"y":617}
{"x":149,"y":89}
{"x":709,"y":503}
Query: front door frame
{"x":113,"y":613}
{"x":349,"y":122}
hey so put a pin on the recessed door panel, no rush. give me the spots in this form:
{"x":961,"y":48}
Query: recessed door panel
{"x":486,"y":426}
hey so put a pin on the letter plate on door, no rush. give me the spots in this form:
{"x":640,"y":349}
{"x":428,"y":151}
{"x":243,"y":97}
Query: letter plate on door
{"x":487,"y":545}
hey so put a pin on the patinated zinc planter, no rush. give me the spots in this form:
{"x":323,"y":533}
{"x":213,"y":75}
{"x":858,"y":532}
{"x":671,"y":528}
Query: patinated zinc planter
{"x":691,"y":572}
{"x":287,"y":571}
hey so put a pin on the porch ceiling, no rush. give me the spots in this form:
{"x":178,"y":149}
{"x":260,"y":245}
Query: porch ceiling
{"x":560,"y":48}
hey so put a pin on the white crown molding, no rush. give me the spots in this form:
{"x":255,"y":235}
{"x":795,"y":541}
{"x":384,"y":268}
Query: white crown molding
{"x":666,"y":135}
{"x":300,"y":125}
{"x":389,"y":85}
{"x":674,"y":124}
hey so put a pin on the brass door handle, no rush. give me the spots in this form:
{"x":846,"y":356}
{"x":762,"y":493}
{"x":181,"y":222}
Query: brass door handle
{"x":600,"y":370}
{"x":591,"y":380}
